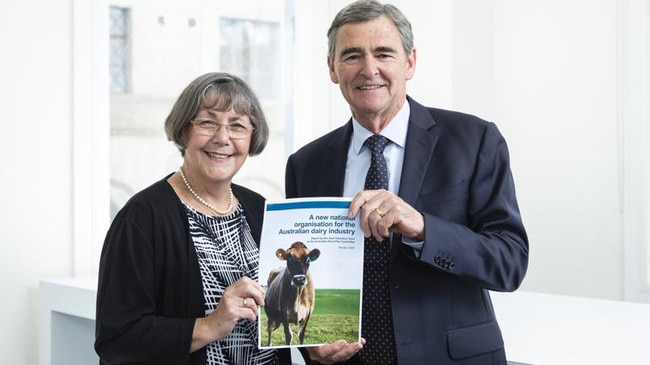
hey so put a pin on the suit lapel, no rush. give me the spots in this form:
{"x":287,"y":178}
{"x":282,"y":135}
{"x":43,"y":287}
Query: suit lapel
{"x":421,"y":140}
{"x":338,"y":155}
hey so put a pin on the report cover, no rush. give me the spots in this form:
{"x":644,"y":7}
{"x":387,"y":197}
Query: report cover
{"x":311,"y":266}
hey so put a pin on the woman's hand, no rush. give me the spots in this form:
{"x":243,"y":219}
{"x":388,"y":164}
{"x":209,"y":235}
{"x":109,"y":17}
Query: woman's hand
{"x":239,"y":301}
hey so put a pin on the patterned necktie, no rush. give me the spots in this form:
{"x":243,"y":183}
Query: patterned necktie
{"x":377,"y":177}
{"x":377,"y":320}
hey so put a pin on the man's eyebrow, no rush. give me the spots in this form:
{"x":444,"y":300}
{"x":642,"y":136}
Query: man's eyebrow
{"x":384,"y":49}
{"x":351,"y":50}
{"x":380,"y":49}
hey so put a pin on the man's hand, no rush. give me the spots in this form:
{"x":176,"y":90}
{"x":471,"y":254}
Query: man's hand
{"x":383,"y":212}
{"x":334,"y":352}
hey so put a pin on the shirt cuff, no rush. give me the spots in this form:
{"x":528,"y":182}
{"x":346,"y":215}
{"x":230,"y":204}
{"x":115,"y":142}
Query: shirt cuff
{"x":414,"y":244}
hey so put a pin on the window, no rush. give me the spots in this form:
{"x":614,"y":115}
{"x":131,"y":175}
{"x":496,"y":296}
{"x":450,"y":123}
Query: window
{"x":119,"y":50}
{"x":250,"y":50}
{"x":131,"y":59}
{"x":156,"y":49}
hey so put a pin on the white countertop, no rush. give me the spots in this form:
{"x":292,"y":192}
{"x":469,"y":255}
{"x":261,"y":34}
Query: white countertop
{"x":538,"y":328}
{"x":549,"y":329}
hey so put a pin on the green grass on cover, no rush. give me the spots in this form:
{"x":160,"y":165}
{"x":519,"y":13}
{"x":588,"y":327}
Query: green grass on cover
{"x":335,"y":316}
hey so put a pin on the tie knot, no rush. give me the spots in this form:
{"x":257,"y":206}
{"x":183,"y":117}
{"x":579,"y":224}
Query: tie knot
{"x":376,"y":143}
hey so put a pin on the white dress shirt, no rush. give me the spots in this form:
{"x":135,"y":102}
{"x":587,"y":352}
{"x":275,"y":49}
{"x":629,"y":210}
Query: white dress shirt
{"x":358,"y":160}
{"x":359,"y":156}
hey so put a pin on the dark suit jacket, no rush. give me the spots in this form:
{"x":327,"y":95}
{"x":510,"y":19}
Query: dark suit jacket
{"x":456,"y":173}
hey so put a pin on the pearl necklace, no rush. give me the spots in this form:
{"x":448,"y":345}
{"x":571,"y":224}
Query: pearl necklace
{"x":202,"y":201}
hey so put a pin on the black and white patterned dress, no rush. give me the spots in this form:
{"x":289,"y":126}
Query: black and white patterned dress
{"x":226,"y":252}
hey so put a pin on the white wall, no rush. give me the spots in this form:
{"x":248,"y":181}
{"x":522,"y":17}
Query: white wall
{"x":559,"y":99}
{"x":547,"y":72}
{"x":35,"y":158}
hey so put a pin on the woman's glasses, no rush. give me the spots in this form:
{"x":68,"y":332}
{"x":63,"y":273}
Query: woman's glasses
{"x":209,"y":127}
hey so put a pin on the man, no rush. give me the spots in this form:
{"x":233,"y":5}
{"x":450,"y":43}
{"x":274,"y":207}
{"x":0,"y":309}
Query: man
{"x":447,"y":215}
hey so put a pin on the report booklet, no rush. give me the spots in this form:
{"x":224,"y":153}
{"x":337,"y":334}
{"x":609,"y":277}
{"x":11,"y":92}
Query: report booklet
{"x":311,"y":267}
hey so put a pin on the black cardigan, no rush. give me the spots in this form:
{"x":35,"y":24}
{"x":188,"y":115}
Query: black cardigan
{"x":150,"y":291}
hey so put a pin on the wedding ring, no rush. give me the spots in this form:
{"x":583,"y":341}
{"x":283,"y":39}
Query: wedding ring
{"x":245,"y":301}
{"x":379,"y":212}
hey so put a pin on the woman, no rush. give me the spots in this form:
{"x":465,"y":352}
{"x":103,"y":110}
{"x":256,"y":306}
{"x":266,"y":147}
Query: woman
{"x":179,"y":267}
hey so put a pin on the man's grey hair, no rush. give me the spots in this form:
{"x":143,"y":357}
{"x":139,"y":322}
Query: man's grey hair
{"x":365,"y":10}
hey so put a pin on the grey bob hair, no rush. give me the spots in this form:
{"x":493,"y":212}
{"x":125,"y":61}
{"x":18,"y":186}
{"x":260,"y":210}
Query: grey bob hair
{"x":220,"y":91}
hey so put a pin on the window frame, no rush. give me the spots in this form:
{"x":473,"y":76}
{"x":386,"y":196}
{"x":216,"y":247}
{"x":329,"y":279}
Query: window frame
{"x":635,"y":139}
{"x":90,"y":134}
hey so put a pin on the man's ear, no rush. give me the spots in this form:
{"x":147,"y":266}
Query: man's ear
{"x":410,"y":65}
{"x":330,"y":66}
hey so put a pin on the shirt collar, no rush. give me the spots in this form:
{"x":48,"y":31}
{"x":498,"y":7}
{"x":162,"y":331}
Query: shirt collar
{"x":395,"y":130}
